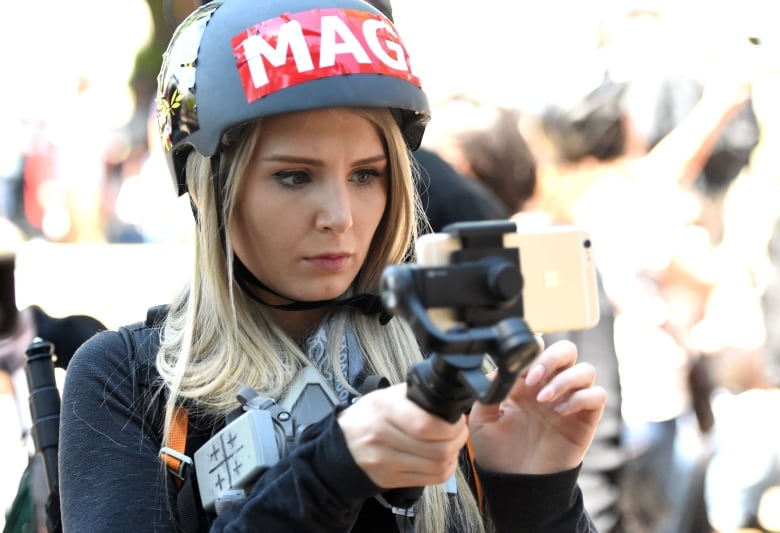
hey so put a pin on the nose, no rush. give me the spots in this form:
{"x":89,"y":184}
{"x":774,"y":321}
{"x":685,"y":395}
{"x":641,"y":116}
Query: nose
{"x":335,"y":213}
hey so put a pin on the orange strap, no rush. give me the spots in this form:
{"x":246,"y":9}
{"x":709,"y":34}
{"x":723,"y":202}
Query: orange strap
{"x":177,"y":442}
{"x":477,"y":483}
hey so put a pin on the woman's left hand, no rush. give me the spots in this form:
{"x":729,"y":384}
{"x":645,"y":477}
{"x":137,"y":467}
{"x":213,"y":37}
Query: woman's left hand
{"x":547,"y":421}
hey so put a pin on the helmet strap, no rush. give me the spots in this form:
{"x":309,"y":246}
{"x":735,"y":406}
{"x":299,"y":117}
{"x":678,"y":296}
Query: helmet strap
{"x":216,"y":182}
{"x":368,"y":304}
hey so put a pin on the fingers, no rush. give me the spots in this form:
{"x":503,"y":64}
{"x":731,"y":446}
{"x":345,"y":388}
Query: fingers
{"x":590,"y":399}
{"x":580,"y":376}
{"x":409,"y":421}
{"x":558,"y":380}
{"x":560,"y":355}
{"x":399,"y":444}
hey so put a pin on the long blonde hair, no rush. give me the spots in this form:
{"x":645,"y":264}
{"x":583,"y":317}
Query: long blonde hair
{"x":216,"y":339}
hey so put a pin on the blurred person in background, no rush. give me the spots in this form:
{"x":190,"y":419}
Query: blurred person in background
{"x":735,"y":194}
{"x":655,"y":258}
{"x":145,"y":209}
{"x":12,"y":136}
{"x":75,"y":193}
{"x":658,"y":94}
{"x":484,"y":142}
{"x":742,"y":484}
{"x":18,"y":329}
{"x":73,"y":136}
{"x":447,"y":194}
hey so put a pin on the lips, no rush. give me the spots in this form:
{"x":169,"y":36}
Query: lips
{"x":330,"y":262}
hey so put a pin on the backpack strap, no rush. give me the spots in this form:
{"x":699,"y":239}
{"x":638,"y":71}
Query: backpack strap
{"x":477,"y":482}
{"x":146,"y":334}
{"x":178,"y":464}
{"x":185,"y":434}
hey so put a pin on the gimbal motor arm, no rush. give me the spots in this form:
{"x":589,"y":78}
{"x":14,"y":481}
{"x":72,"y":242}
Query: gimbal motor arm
{"x":452,"y":378}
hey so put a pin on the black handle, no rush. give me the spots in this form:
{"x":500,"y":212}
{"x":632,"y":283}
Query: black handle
{"x":44,"y":407}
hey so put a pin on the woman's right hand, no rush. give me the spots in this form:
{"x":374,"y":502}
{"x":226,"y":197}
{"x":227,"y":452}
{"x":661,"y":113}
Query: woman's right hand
{"x":399,"y":444}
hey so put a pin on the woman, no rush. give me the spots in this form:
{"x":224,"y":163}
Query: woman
{"x":299,"y":174}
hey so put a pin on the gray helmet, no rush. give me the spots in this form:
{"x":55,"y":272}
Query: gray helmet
{"x":233,"y":61}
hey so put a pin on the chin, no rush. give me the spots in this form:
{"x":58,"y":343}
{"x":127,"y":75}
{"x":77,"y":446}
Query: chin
{"x":321,"y":287}
{"x":323,"y":293}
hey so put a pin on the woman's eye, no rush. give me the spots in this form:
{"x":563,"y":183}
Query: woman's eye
{"x":292,"y":178}
{"x":366,"y":175}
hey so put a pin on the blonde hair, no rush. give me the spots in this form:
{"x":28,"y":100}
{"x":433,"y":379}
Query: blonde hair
{"x":216,"y":339}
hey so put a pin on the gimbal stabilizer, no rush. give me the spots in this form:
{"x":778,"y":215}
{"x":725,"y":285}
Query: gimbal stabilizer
{"x":483,"y":285}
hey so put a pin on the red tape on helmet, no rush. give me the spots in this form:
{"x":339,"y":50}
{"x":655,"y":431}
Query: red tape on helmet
{"x":319,"y":43}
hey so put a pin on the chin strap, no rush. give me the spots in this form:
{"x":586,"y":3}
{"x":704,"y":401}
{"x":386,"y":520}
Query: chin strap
{"x":368,"y":304}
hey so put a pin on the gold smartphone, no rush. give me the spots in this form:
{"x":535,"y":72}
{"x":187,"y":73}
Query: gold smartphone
{"x":559,"y":284}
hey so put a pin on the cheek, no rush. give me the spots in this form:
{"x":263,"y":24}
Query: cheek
{"x":370,"y":210}
{"x":256,"y":226}
{"x":368,"y":219}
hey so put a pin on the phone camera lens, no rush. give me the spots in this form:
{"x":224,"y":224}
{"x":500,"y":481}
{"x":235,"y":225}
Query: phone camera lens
{"x":586,"y":243}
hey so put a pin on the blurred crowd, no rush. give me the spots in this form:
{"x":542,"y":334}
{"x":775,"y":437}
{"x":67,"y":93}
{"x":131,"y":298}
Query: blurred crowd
{"x":656,"y":133}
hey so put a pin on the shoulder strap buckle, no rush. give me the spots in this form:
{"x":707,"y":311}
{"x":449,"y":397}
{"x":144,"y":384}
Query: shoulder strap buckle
{"x":178,"y":464}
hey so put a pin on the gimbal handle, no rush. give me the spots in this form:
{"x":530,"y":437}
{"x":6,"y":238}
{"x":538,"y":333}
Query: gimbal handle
{"x":44,"y":406}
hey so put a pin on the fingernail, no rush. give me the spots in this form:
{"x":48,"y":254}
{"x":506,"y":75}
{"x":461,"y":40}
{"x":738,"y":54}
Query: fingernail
{"x":534,"y":376}
{"x":545,"y":394}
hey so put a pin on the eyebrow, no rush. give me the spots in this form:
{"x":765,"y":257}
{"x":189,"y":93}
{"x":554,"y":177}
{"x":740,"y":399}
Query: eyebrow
{"x":319,"y":162}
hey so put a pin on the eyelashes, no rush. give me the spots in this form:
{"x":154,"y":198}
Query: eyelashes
{"x":300,"y":178}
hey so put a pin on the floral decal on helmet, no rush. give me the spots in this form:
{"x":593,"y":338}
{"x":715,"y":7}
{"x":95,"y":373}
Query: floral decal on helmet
{"x":165,"y":110}
{"x":177,"y":112}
